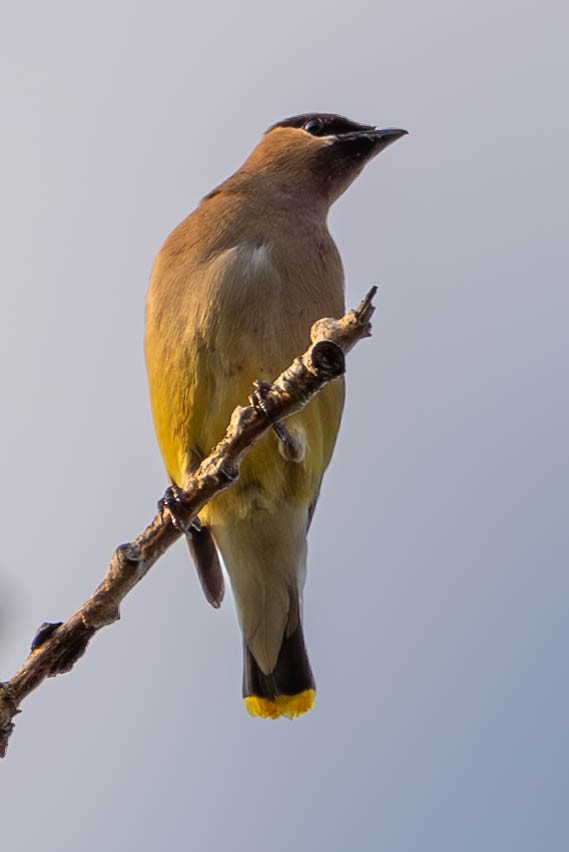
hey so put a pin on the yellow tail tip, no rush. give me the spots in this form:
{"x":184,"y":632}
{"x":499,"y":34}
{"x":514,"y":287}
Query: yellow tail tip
{"x":282,"y":705}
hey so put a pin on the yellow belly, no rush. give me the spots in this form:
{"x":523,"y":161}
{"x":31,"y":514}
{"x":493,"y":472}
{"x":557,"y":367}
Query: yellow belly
{"x":191,"y":412}
{"x":216,"y":325}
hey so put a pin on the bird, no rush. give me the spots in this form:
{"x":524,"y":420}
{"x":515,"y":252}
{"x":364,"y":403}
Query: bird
{"x":233,"y":293}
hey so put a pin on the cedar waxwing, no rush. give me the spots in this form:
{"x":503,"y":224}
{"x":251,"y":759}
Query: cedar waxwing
{"x":233,"y":294}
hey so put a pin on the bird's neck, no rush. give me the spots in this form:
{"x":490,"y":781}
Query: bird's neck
{"x":280,"y":195}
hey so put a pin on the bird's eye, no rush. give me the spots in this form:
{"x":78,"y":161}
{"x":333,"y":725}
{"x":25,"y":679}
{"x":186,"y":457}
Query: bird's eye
{"x":313,"y":125}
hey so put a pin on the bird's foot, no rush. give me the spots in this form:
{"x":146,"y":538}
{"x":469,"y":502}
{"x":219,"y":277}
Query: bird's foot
{"x":291,"y":446}
{"x":174,"y":502}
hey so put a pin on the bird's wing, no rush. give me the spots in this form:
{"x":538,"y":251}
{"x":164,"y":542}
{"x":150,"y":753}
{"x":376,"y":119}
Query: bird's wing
{"x":204,"y":554}
{"x":206,"y":559}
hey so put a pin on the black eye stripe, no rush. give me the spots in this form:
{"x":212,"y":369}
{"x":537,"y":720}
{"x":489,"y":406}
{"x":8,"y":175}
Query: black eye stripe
{"x":315,"y":126}
{"x":330,"y":124}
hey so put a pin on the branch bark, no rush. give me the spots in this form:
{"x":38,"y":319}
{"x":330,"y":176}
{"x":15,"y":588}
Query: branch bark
{"x":57,"y":647}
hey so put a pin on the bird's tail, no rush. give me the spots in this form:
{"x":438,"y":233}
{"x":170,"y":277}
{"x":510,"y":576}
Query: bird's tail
{"x":265,"y":555}
{"x":288,"y":690}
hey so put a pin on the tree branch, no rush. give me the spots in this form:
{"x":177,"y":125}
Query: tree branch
{"x":57,"y":647}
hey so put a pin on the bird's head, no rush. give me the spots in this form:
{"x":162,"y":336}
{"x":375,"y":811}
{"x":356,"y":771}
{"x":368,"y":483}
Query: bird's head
{"x":317,"y":155}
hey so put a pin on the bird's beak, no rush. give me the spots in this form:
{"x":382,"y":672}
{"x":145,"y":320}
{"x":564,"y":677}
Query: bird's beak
{"x":383,"y":138}
{"x":369,"y":141}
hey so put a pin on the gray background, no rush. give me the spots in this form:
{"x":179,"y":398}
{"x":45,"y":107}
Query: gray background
{"x":437,"y":597}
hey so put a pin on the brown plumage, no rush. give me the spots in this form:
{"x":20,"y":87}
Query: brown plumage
{"x":233,"y":294}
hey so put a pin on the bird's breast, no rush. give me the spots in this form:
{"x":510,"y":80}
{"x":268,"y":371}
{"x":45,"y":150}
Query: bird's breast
{"x":217,"y":324}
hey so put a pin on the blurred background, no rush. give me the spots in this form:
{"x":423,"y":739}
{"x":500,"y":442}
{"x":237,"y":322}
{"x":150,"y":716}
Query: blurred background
{"x":437,"y":597}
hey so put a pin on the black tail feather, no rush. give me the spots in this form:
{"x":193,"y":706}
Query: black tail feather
{"x":291,"y":675}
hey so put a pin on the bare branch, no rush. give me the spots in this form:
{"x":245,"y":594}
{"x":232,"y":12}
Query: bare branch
{"x":57,"y":647}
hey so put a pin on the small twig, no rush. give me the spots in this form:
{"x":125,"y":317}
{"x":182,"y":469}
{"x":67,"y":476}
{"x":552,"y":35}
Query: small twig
{"x":57,"y":647}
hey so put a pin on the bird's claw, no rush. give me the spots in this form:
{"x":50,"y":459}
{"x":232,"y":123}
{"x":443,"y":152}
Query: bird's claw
{"x":173,"y":502}
{"x":259,"y":398}
{"x":290,"y":446}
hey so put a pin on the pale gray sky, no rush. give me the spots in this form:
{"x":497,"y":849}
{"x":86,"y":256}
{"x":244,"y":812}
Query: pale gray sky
{"x":437,"y":596}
